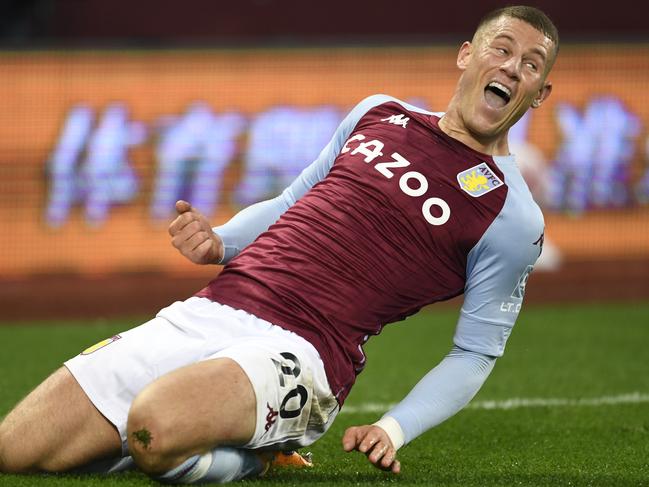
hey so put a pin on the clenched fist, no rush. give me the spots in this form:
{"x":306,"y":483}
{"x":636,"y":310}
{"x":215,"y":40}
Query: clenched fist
{"x":192,"y":235}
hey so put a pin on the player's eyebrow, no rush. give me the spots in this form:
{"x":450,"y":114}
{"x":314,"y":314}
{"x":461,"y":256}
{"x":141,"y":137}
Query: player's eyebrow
{"x":535,"y":50}
{"x":506,"y":36}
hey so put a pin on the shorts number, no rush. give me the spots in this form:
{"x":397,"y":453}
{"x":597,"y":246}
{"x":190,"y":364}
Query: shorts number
{"x":299,"y":390}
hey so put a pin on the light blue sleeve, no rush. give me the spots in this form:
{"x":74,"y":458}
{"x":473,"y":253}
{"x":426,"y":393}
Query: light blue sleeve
{"x":498,"y":268}
{"x":497,"y":271}
{"x":442,"y":392}
{"x":244,"y":227}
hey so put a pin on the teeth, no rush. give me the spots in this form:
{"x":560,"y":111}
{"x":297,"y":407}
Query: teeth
{"x":501,"y":87}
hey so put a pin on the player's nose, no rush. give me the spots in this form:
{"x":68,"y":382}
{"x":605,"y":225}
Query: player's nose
{"x":512,"y":67}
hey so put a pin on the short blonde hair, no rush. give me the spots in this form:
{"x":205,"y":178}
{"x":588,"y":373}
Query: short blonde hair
{"x":531,"y":15}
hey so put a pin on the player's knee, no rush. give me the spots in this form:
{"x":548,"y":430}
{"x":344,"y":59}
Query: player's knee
{"x":6,"y":460}
{"x":150,"y":438}
{"x":3,"y":467}
{"x":11,"y":459}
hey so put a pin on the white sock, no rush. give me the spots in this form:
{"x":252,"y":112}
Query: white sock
{"x":220,"y":465}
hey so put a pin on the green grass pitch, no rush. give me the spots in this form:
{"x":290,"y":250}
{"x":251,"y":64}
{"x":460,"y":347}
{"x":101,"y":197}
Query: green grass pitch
{"x":567,"y":354}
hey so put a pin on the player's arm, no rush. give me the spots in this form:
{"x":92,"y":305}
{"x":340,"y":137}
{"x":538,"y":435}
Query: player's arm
{"x":195,"y":239}
{"x":497,"y":271}
{"x":440,"y":394}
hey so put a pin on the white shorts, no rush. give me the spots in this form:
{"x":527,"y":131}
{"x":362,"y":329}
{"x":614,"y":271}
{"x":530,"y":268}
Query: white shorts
{"x":295,"y":405}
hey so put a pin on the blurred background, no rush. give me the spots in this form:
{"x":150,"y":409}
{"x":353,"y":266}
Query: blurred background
{"x":111,"y":111}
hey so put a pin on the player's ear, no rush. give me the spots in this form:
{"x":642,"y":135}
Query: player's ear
{"x":542,"y":94}
{"x":464,"y":55}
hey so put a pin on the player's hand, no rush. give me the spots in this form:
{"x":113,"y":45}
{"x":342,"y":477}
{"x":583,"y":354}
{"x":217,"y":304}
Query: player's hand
{"x":192,"y":235}
{"x":375,"y":443}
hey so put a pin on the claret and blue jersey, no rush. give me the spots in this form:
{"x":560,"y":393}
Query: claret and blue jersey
{"x":393,"y":215}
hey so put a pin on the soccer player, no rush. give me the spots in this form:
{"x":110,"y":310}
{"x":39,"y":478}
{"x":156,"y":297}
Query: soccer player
{"x":401,"y":209}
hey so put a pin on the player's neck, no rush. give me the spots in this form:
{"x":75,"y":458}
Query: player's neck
{"x":451,"y":124}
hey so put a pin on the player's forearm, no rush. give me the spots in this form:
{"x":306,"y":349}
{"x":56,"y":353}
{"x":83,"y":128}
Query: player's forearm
{"x":442,"y":392}
{"x":245,"y":226}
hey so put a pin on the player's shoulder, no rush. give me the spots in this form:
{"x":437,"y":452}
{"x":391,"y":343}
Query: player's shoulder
{"x":520,"y":218}
{"x":521,"y":202}
{"x":379,"y":99}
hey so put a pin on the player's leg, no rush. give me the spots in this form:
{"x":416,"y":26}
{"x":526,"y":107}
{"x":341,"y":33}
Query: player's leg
{"x":190,"y":411}
{"x":266,"y":391}
{"x":55,"y":428}
{"x":79,"y":414}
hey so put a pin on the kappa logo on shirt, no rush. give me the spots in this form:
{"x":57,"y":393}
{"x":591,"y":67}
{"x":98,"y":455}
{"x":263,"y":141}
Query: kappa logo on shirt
{"x":400,"y":119}
{"x":478,"y":180}
{"x":539,"y":242}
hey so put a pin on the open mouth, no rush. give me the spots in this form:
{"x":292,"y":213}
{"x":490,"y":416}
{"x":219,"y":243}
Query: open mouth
{"x":497,"y":95}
